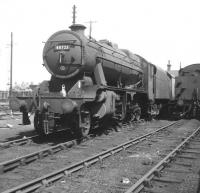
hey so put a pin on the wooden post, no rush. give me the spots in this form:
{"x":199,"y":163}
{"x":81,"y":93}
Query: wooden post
{"x":11,"y":68}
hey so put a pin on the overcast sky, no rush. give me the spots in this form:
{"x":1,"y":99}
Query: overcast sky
{"x":158,"y":30}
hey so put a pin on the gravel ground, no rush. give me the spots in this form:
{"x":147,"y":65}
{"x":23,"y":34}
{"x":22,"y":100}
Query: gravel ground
{"x":11,"y":128}
{"x":110,"y":176}
{"x":184,"y":169}
{"x":64,"y":158}
{"x":19,"y":131}
{"x":118,"y":173}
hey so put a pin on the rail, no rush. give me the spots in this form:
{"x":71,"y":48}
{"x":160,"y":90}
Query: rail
{"x":54,"y":176}
{"x":21,"y":141}
{"x":145,"y":180}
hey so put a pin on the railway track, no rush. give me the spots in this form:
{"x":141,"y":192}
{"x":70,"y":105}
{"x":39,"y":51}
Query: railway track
{"x":26,"y":159}
{"x":26,"y":140}
{"x":22,"y":141}
{"x":23,"y":160}
{"x":60,"y":173}
{"x":184,"y":151}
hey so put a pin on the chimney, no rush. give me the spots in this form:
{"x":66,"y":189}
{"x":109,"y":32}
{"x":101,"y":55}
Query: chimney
{"x":78,"y":28}
{"x":169,"y":66}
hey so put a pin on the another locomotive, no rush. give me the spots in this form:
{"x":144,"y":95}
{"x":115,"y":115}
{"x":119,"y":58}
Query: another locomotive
{"x":187,"y":97}
{"x":94,"y":82}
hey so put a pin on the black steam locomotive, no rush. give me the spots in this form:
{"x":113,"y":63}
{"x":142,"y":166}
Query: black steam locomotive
{"x":187,"y":97}
{"x":94,"y":82}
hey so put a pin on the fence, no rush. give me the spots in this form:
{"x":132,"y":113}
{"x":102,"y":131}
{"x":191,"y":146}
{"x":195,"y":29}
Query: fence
{"x":4,"y":95}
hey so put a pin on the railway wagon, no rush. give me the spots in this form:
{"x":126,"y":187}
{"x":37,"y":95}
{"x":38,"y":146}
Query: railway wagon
{"x":94,"y":82}
{"x":187,"y":89}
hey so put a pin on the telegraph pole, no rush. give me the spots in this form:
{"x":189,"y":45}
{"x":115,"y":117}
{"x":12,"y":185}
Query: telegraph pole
{"x":90,"y":32}
{"x":11,"y":66}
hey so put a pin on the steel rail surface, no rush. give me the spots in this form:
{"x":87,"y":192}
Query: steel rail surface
{"x":140,"y":184}
{"x":11,"y":164}
{"x":17,"y":141}
{"x":58,"y":174}
{"x":23,"y":140}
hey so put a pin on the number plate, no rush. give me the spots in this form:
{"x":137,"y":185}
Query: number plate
{"x":61,"y":47}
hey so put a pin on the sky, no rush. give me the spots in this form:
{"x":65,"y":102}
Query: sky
{"x":158,"y":30}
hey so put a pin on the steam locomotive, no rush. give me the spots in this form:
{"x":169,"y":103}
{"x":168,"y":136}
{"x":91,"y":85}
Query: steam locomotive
{"x":93,"y":82}
{"x":187,"y":87}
